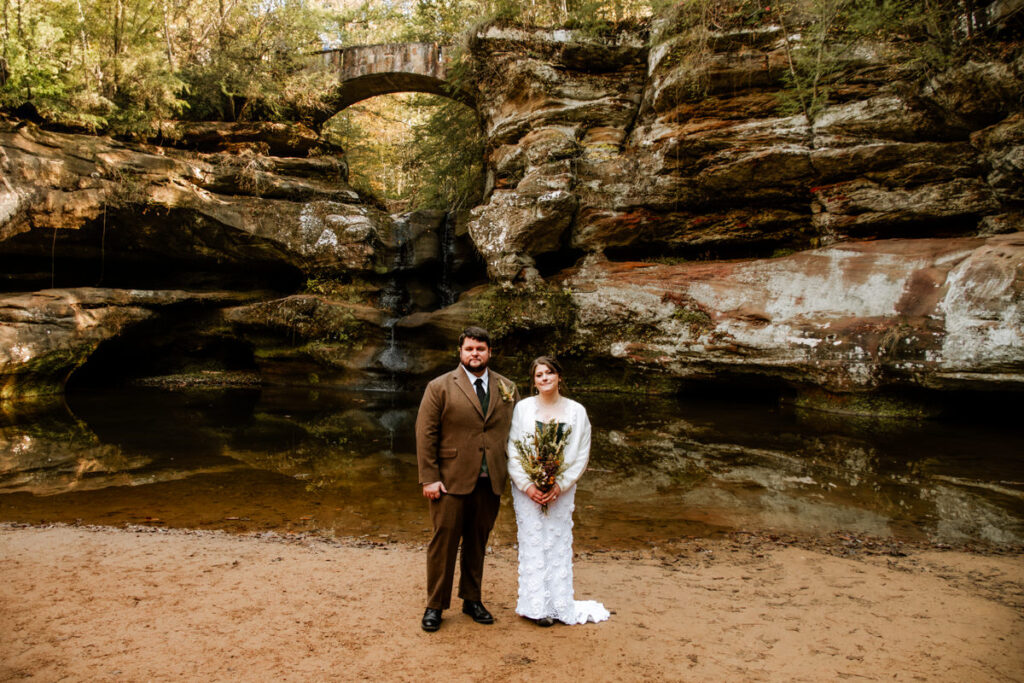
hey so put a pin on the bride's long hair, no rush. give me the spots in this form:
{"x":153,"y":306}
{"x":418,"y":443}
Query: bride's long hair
{"x":555,"y":366}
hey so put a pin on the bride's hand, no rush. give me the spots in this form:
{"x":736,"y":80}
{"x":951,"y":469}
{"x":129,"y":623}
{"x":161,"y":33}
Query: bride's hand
{"x":550,"y":496}
{"x":534,"y":494}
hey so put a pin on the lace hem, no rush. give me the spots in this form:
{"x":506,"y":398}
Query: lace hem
{"x":545,"y":562}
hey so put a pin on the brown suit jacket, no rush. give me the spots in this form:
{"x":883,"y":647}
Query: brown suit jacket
{"x":453,"y":435}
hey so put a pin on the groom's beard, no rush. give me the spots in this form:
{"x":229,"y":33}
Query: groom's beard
{"x":478,"y":369}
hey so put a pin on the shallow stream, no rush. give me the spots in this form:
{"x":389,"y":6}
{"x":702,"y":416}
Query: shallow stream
{"x":662,"y":469}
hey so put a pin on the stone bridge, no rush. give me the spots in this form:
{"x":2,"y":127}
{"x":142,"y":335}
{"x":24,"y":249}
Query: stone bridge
{"x":369,"y":70}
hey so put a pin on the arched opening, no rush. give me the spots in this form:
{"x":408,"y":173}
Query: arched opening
{"x":412,"y":150}
{"x":359,"y":88}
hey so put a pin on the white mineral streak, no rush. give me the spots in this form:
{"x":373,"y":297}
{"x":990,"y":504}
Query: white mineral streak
{"x":21,"y":353}
{"x":22,"y":444}
{"x":309,"y":221}
{"x":327,"y":240}
{"x":658,"y":53}
{"x":10,"y":202}
{"x":859,"y":111}
{"x":984,"y":313}
{"x":848,"y":283}
{"x":618,"y":350}
{"x":800,"y":299}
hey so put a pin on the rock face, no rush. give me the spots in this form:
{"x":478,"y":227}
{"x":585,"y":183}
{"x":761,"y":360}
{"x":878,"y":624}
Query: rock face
{"x":933,"y":313}
{"x":165,"y":230}
{"x":47,"y":335}
{"x":241,"y":210}
{"x":679,"y":149}
{"x":651,"y":217}
{"x":663,"y":165}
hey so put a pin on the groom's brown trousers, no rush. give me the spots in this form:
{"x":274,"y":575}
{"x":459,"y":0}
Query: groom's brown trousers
{"x":467,"y":517}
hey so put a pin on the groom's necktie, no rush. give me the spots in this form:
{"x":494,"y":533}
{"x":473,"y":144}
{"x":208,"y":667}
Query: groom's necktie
{"x":481,"y":394}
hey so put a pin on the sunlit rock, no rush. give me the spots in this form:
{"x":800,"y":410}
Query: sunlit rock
{"x":204,"y":209}
{"x":937,"y":313}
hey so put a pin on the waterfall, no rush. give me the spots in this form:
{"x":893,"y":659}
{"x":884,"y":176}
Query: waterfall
{"x":446,"y":288}
{"x":394,"y":298}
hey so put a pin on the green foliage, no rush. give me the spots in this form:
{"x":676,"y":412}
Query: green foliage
{"x":412,"y":150}
{"x":822,"y":36}
{"x":674,"y":17}
{"x":449,"y":158}
{"x":815,"y":60}
{"x":441,"y":21}
{"x":97,"y":64}
{"x":688,"y":29}
{"x":350,"y":290}
{"x":377,"y":137}
{"x":123,"y":66}
{"x":31,"y":61}
{"x":259,"y":66}
{"x":591,"y":16}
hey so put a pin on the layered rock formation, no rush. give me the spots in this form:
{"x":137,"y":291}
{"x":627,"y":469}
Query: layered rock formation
{"x":656,"y":164}
{"x":172,"y":237}
{"x":651,"y":217}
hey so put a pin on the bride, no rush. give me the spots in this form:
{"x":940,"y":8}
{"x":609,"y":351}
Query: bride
{"x":545,"y":538}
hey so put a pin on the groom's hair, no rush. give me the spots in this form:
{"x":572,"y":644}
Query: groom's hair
{"x":478,"y":333}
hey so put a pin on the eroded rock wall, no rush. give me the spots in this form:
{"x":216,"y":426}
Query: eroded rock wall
{"x":722,"y":237}
{"x":679,"y":148}
{"x":651,"y":217}
{"x":220,"y":239}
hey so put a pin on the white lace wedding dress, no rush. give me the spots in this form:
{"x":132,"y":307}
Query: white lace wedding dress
{"x":545,"y":562}
{"x":545,"y":540}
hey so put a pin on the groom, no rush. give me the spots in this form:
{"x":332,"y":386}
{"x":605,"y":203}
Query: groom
{"x":461,"y":430}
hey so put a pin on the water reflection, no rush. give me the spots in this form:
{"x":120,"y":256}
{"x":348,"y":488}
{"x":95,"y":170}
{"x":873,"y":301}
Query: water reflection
{"x":661,"y":469}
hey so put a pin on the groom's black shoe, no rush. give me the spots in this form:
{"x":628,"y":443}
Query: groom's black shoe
{"x":431,"y":619}
{"x":476,"y":609}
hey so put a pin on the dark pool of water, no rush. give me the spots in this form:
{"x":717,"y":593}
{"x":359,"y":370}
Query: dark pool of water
{"x":661,"y":469}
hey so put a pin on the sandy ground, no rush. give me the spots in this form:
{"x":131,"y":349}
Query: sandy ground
{"x":119,"y":604}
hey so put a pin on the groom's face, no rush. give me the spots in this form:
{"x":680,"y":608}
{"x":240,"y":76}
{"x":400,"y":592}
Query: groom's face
{"x":474,"y":354}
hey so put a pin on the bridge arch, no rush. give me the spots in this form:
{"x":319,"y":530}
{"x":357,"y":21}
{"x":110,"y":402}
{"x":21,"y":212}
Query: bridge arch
{"x":366,"y":71}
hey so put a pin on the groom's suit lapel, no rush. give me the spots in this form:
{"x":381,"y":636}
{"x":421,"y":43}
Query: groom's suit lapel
{"x":462,"y":382}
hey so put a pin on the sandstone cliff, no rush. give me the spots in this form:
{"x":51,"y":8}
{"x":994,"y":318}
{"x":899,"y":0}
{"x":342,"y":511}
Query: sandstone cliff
{"x":651,"y":217}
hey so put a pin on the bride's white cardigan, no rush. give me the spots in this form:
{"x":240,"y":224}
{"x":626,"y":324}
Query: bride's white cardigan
{"x":577,"y":450}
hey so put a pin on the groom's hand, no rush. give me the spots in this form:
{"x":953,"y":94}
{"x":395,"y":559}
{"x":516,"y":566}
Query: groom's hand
{"x":434,"y":491}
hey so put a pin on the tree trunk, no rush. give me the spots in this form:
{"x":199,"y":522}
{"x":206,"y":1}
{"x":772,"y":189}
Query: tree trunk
{"x":85,"y":42}
{"x":167,"y":38}
{"x":4,"y":72}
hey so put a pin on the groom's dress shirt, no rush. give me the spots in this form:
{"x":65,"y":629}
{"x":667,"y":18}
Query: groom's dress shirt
{"x":486,"y":377}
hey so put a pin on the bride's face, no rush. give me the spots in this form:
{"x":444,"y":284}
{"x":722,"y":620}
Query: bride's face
{"x":545,"y":379}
